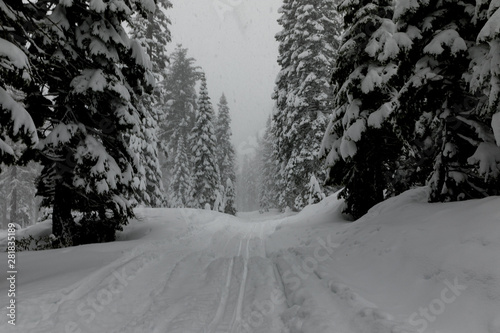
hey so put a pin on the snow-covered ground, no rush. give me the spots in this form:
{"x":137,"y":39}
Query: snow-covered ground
{"x":407,"y":266}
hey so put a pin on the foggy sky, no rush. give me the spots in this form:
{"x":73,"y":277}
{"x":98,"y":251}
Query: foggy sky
{"x":233,"y":41}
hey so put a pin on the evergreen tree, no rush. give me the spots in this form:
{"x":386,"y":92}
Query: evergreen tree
{"x":17,"y":80}
{"x":308,"y":44}
{"x":484,"y":83}
{"x":314,"y":193}
{"x":359,"y":143}
{"x":95,"y":76}
{"x":153,"y":33}
{"x":179,"y":98}
{"x":18,"y":203}
{"x":229,"y":198}
{"x":225,"y":153}
{"x":179,"y":104}
{"x":181,"y":186}
{"x":437,"y":116}
{"x":225,"y":149}
{"x":204,"y":151}
{"x":267,"y":185}
{"x":219,"y":199}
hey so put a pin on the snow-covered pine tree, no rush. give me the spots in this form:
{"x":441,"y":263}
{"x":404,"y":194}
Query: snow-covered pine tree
{"x":308,"y":43}
{"x":268,"y":171}
{"x":95,"y":75}
{"x":229,"y":203}
{"x":314,"y":193}
{"x":219,"y":199}
{"x":204,"y":151}
{"x":154,"y":34}
{"x":179,"y":104}
{"x":179,"y":97}
{"x":17,"y":128}
{"x":181,"y":185}
{"x":359,"y":143}
{"x":437,"y":117}
{"x":17,"y":190}
{"x":225,"y":151}
{"x":484,"y":82}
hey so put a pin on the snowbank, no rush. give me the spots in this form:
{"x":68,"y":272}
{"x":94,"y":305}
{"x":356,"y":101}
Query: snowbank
{"x":410,"y":265}
{"x":405,"y":267}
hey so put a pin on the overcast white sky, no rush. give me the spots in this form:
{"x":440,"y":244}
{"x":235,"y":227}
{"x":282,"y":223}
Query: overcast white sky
{"x":233,"y":41}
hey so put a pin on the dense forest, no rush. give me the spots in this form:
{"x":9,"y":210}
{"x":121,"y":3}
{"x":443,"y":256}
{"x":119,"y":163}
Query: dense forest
{"x":373,"y":98}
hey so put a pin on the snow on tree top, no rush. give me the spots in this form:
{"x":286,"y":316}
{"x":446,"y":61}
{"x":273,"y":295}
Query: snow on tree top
{"x":491,"y":28}
{"x":90,"y":79}
{"x":121,"y":90}
{"x":355,"y":131}
{"x":107,"y":32}
{"x":377,"y":118}
{"x":450,"y":38}
{"x":97,"y":47}
{"x":119,"y":6}
{"x":141,"y":57}
{"x":16,"y":57}
{"x":98,"y":5}
{"x":5,"y":148}
{"x":7,"y":11}
{"x":403,"y":6}
{"x":149,"y":5}
{"x":20,"y":117}
{"x":61,"y":134}
{"x":488,"y":157}
{"x":348,"y":149}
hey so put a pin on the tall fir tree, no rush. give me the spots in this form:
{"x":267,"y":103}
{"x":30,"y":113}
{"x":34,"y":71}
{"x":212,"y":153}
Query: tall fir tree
{"x":225,"y":150}
{"x":308,"y":44}
{"x":181,"y":185}
{"x":359,"y":144}
{"x":179,"y":98}
{"x":268,"y":171}
{"x":484,"y":82}
{"x":204,"y":151}
{"x":95,"y":73}
{"x":437,"y":116}
{"x":154,"y":34}
{"x":179,"y":104}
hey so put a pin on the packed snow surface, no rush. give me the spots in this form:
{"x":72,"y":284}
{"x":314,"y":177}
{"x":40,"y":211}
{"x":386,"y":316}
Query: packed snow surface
{"x":406,"y":266}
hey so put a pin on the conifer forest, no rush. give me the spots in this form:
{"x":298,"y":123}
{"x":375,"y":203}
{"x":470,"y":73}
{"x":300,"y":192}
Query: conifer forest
{"x":250,"y":166}
{"x":373,"y":97}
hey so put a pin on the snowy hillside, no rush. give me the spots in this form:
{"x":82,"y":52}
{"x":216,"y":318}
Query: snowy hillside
{"x":407,"y":266}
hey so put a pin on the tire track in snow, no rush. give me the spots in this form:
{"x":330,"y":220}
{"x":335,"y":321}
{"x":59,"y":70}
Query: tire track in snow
{"x":219,"y":314}
{"x":237,"y":318}
{"x":221,"y":322}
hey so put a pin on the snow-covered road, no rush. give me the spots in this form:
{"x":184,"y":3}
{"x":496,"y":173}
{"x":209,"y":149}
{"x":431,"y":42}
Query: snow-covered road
{"x":183,"y":271}
{"x":209,"y":285}
{"x":196,"y":271}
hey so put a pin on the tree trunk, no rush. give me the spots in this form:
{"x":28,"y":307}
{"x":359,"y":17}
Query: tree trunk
{"x":62,"y":221}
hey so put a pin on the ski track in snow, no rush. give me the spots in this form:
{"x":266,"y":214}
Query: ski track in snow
{"x":215,"y":277}
{"x":194,"y":271}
